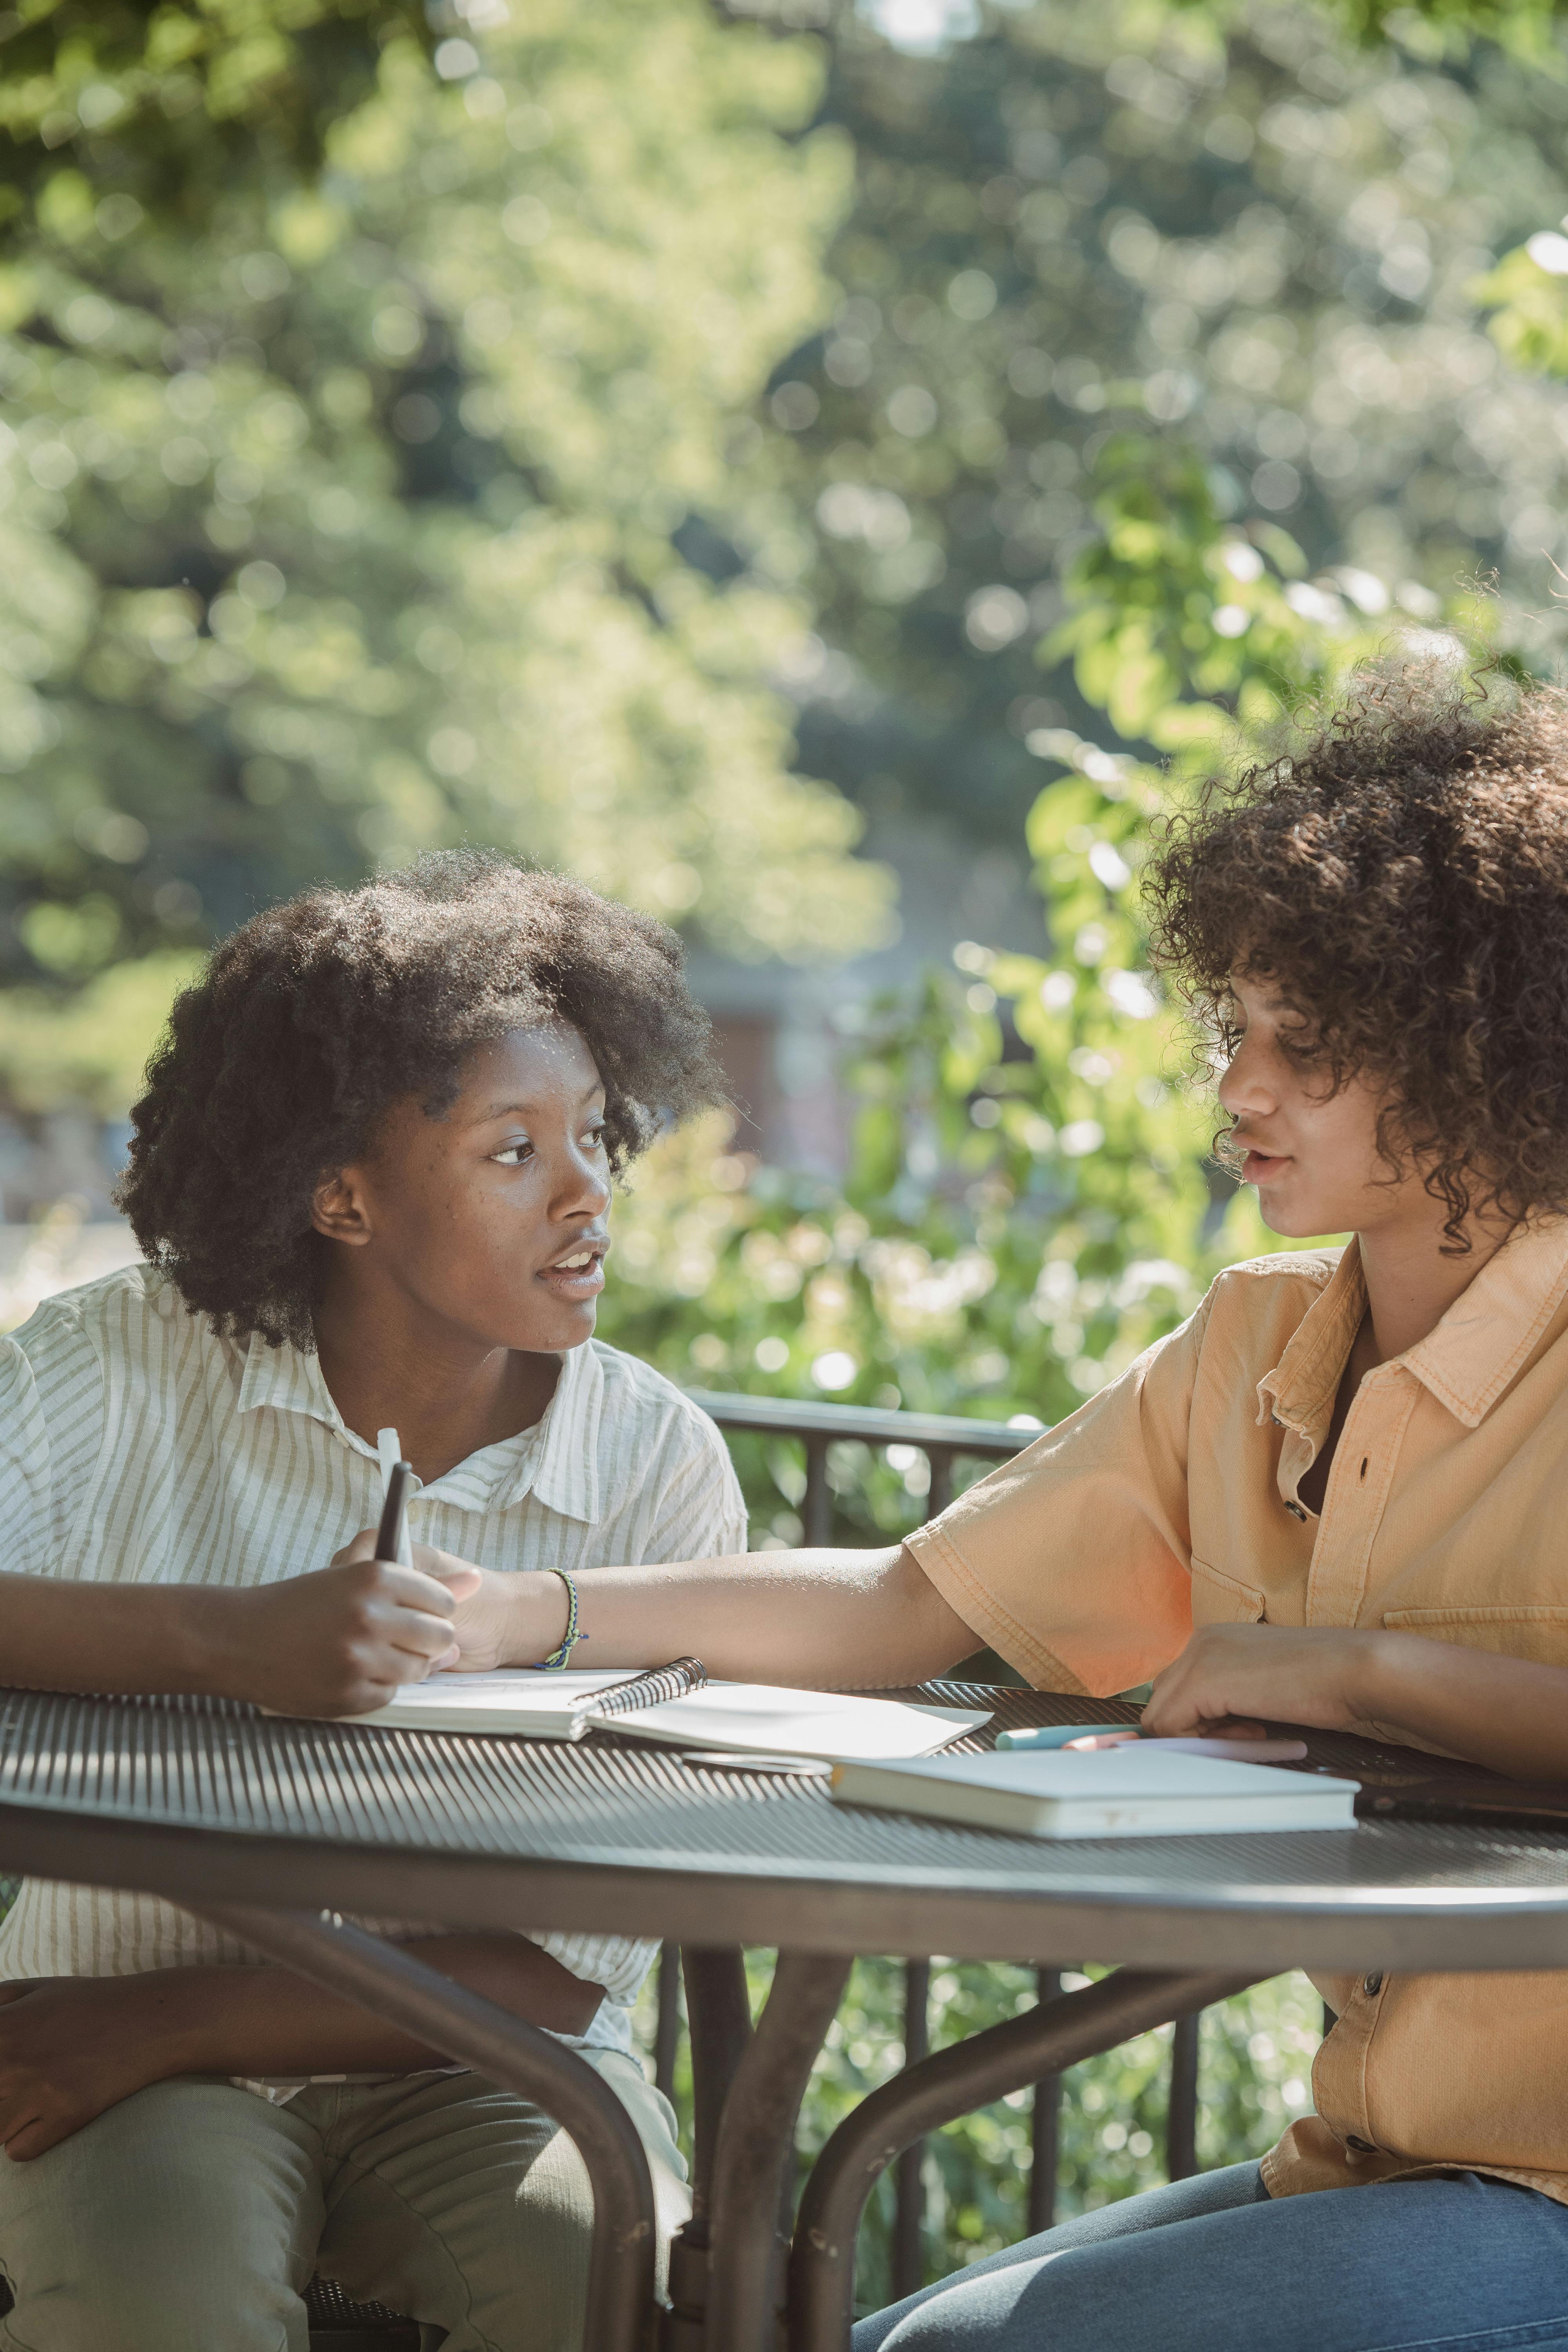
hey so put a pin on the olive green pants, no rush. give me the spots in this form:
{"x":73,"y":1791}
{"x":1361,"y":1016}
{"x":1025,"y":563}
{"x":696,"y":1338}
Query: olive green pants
{"x":190,"y":2218}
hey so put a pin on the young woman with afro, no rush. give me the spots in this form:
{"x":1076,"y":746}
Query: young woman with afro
{"x":371,"y":1175}
{"x":1336,"y":1496}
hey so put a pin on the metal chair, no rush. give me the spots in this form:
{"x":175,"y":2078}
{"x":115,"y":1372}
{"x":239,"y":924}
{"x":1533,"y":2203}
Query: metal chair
{"x":337,"y":2323}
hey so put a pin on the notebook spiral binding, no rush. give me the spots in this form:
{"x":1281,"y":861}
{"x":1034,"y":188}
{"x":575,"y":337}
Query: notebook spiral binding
{"x":652,"y":1689}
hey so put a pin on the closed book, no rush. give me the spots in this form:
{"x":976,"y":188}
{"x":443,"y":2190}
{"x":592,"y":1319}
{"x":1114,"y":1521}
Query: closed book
{"x":1103,"y":1794}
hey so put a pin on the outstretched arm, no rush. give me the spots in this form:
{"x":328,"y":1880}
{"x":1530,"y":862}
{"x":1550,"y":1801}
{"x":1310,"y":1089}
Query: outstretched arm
{"x":835,"y":1620}
{"x":1508,"y":1713}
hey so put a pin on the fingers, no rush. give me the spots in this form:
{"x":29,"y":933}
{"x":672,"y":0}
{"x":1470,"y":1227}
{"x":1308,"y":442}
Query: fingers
{"x":438,"y":1577}
{"x":386,"y":1584}
{"x":1176,"y":1705}
{"x":447,"y":1567}
{"x":416,"y":1636}
{"x":461,"y":1582}
{"x":20,"y":2112}
{"x":412,"y":1588}
{"x":369,"y":1627}
{"x":39,"y":2134}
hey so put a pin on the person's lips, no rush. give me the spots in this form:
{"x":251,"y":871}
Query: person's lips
{"x":578,"y":1273}
{"x":1258,"y":1166}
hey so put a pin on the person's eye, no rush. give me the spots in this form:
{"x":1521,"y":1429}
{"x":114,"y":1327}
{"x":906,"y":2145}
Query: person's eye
{"x":594,"y":1135}
{"x":513,"y":1155}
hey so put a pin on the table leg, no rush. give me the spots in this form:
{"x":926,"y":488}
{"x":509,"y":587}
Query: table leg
{"x":968,"y":2074}
{"x":755,"y":2141}
{"x":719,"y":2024}
{"x":388,"y":1979}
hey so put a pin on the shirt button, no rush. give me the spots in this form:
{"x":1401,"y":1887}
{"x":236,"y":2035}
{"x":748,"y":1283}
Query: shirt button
{"x":1362,"y":2147}
{"x":1373,"y":1985}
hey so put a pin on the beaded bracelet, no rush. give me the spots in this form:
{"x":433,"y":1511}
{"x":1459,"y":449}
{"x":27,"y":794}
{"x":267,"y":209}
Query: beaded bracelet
{"x":563,"y":1648}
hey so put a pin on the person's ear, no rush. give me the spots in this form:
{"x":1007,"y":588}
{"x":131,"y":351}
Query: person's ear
{"x":339,"y":1210}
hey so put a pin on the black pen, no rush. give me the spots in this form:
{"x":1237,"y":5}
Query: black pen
{"x":391,"y":1537}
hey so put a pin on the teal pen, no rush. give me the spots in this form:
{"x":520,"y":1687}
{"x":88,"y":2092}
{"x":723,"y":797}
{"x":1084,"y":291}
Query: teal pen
{"x":1056,"y":1735}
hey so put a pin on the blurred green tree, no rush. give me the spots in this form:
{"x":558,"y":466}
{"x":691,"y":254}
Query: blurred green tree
{"x":430,"y":496}
{"x":1028,"y":1202}
{"x":350,"y":525}
{"x":167,"y":100}
{"x":1226,"y":228}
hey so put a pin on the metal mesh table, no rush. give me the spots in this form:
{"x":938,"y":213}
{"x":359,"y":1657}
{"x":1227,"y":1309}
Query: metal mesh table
{"x":207,"y":1801}
{"x":277,"y":1828}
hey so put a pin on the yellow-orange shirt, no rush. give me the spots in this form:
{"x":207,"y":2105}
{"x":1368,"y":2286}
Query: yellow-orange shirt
{"x":1171,"y":1500}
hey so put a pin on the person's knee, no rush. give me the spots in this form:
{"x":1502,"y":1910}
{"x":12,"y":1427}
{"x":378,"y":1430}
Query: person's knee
{"x":176,"y":2221}
{"x":538,"y":2296}
{"x":140,"y":2308}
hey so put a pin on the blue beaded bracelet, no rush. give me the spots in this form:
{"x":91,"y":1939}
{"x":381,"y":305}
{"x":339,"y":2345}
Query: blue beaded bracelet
{"x":563,"y":1648}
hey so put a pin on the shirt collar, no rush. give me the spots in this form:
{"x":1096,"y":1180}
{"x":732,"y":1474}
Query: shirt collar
{"x":289,"y":1381}
{"x":557,"y":1459}
{"x":1299,"y":1391}
{"x":1465,"y":1362}
{"x":1494,"y":1326}
{"x":564,"y":1471}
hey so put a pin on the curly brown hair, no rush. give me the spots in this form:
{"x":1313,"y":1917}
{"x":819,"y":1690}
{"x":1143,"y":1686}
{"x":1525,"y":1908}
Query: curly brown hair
{"x":315,"y":1016}
{"x":1400,"y":877}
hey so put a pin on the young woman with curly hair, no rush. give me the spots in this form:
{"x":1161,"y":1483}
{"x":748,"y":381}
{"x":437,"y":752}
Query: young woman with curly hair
{"x":1335,"y":1496}
{"x":371,"y":1173}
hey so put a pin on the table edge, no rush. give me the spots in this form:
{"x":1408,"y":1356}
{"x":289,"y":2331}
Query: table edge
{"x":1444,"y":1931}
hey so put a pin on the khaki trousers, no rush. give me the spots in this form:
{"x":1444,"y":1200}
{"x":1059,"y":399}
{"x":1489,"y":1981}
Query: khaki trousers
{"x":189,"y":2218}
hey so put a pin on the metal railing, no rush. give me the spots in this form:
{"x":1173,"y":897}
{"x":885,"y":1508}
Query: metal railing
{"x":945,"y":1439}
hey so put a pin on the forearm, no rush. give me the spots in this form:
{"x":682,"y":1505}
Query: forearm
{"x":1508,"y":1712}
{"x":266,"y":2020}
{"x":63,"y":1635}
{"x":338,"y":1640}
{"x":847,"y":1620}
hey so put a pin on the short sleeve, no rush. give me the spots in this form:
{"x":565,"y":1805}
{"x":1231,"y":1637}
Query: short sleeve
{"x":1073,"y":1560}
{"x":51,"y":1420}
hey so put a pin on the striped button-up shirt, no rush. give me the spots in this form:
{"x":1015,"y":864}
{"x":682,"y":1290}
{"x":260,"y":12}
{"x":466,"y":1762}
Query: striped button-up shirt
{"x":138,"y":1447}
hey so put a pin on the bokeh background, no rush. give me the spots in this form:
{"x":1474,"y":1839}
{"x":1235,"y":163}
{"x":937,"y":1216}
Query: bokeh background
{"x":831,"y":476}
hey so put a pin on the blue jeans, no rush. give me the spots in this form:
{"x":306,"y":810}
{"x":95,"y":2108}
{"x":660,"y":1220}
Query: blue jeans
{"x":1459,"y":2264}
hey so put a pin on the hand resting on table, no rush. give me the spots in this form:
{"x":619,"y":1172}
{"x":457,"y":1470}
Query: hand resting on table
{"x":1510,"y":1714}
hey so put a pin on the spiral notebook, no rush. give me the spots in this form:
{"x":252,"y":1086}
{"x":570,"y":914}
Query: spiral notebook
{"x":530,"y":1704}
{"x":678,"y":1706}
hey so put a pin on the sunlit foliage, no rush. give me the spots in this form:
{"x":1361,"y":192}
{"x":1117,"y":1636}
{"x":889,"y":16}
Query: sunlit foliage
{"x":160,"y":99}
{"x":1225,"y":231}
{"x":1026,"y":414}
{"x":351,"y":525}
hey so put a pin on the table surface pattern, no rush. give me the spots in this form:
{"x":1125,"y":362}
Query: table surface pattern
{"x":622,"y":1803}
